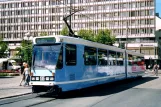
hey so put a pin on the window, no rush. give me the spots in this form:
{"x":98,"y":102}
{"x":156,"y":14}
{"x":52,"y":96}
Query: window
{"x":142,"y":13}
{"x":115,"y":6}
{"x":33,"y":3}
{"x":151,"y":12}
{"x":90,"y":56}
{"x":133,"y":14}
{"x":71,"y":54}
{"x":142,"y":4}
{"x":102,"y":57}
{"x":120,"y":58}
{"x":112,"y":58}
{"x":130,"y":59}
{"x":10,"y":64}
{"x":26,"y":4}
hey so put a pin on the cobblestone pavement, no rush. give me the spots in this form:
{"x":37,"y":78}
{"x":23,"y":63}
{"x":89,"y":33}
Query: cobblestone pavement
{"x":9,"y":86}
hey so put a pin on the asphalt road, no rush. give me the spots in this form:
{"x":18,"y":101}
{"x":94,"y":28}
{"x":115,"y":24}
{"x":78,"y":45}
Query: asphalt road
{"x":145,"y":92}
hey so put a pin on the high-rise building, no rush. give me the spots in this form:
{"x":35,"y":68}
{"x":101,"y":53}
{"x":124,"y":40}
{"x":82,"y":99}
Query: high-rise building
{"x":131,"y":20}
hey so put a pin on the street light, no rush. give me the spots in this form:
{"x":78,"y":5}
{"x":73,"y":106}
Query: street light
{"x":28,"y":37}
{"x":126,"y":43}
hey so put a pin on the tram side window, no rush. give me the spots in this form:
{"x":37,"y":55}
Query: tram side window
{"x":90,"y":56}
{"x":120,"y":58}
{"x":130,"y":59}
{"x":140,"y":61}
{"x":134,"y":60}
{"x":70,"y":54}
{"x":112,"y":58}
{"x":102,"y":57}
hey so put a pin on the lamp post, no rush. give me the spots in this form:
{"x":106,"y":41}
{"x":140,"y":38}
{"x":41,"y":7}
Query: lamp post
{"x":150,"y":62}
{"x":28,"y":37}
{"x":126,"y":43}
{"x":141,"y":47}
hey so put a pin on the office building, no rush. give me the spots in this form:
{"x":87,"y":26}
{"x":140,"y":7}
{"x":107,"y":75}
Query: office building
{"x":132,"y":19}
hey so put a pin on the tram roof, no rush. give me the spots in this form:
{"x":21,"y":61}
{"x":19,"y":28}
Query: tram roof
{"x":73,"y":40}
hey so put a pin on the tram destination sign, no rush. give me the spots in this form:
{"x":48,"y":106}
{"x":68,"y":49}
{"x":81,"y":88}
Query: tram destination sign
{"x":45,"y":40}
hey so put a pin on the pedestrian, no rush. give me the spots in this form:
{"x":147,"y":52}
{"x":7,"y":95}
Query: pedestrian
{"x":155,"y":69}
{"x":22,"y":73}
{"x":27,"y":74}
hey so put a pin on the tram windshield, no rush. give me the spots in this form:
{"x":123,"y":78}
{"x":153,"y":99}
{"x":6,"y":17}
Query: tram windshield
{"x":48,"y":56}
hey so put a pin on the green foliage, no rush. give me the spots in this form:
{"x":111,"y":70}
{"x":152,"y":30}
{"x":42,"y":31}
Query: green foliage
{"x":43,"y":34}
{"x":105,"y":37}
{"x":3,"y":74}
{"x":9,"y":74}
{"x":65,"y":31}
{"x":86,"y":34}
{"x":3,"y":48}
{"x":25,"y":51}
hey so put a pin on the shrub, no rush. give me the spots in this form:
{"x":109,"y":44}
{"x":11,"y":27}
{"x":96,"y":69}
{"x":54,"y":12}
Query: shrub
{"x":3,"y":74}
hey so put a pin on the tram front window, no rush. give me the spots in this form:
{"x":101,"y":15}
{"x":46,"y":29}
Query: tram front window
{"x":47,"y":56}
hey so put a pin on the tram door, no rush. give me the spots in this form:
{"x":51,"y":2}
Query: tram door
{"x":70,"y":61}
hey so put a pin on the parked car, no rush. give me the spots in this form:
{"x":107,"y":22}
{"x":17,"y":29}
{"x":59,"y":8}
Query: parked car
{"x":8,"y":64}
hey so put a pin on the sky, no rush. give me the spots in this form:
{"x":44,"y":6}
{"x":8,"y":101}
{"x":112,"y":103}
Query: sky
{"x":158,"y":7}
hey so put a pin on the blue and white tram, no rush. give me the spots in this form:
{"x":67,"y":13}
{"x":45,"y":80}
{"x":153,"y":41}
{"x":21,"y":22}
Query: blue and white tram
{"x":62,"y":63}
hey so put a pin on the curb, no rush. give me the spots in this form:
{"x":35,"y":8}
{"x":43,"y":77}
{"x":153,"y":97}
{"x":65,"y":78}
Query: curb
{"x":15,"y":96}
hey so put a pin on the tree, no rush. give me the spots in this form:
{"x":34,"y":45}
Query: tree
{"x":105,"y":37}
{"x":3,"y":48}
{"x":25,"y":51}
{"x":43,"y":34}
{"x":86,"y":34}
{"x":65,"y":31}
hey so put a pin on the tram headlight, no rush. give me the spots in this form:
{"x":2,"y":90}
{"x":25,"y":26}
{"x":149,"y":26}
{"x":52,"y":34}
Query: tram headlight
{"x":47,"y":78}
{"x":37,"y":78}
{"x":51,"y":78}
{"x":33,"y":78}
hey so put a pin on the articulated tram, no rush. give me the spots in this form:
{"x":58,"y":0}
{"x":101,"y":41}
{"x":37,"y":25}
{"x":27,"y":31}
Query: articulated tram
{"x":63,"y":63}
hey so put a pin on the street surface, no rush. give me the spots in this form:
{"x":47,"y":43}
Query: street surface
{"x":9,"y":86}
{"x":142,"y":92}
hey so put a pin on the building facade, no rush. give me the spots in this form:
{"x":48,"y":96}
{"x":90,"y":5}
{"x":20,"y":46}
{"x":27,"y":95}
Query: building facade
{"x":133,"y":20}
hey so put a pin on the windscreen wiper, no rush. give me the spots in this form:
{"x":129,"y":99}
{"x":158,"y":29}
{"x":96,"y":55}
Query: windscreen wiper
{"x":34,"y":61}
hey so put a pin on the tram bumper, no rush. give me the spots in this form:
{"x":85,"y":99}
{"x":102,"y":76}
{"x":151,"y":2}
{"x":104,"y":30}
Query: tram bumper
{"x":41,"y":83}
{"x":48,"y":87}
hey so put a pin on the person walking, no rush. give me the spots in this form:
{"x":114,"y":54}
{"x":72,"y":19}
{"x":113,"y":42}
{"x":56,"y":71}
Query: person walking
{"x":27,"y":74}
{"x":155,"y":68}
{"x":22,"y":73}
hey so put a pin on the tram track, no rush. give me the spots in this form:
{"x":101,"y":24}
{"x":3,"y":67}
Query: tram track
{"x":41,"y":102}
{"x":17,"y":99}
{"x":42,"y":97}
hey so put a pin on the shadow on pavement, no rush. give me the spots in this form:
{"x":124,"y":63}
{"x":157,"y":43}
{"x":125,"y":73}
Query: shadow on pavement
{"x":105,"y":89}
